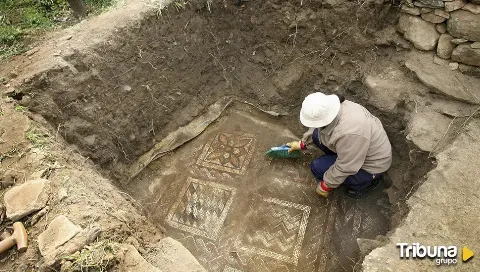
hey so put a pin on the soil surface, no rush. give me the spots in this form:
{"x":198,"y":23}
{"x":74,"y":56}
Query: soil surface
{"x":115,"y":100}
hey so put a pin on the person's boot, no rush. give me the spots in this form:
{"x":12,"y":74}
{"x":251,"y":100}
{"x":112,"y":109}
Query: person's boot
{"x":361,"y":193}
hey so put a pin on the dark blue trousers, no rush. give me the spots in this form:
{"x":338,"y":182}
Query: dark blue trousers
{"x":319,"y":166}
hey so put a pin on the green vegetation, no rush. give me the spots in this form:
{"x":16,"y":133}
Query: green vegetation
{"x":36,"y":137}
{"x":21,"y":19}
{"x":96,"y":257}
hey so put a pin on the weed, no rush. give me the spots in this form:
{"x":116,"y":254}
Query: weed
{"x":37,"y":138}
{"x":9,"y":153}
{"x":97,"y":257}
{"x":21,"y":108}
{"x":179,"y":4}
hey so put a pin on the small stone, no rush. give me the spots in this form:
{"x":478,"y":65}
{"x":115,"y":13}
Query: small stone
{"x":26,"y":198}
{"x":62,"y":194}
{"x":432,"y":18}
{"x":445,"y":46}
{"x":475,"y":45}
{"x":66,"y":38}
{"x":56,"y":54}
{"x":425,"y":10}
{"x":459,"y":41}
{"x":475,"y":9}
{"x":442,"y":13}
{"x":410,"y":10}
{"x":441,"y":28}
{"x":464,"y":24}
{"x":132,"y":137}
{"x":9,"y":92}
{"x":126,"y":88}
{"x":90,"y":140}
{"x":453,"y":66}
{"x":58,"y":232}
{"x":454,"y":5}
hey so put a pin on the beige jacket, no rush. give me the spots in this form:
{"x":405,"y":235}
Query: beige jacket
{"x":359,"y":140}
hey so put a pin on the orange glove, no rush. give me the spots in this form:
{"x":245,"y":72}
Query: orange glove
{"x":322,"y":189}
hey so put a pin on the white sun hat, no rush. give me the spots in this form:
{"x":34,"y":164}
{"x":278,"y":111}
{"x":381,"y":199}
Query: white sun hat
{"x":319,"y":110}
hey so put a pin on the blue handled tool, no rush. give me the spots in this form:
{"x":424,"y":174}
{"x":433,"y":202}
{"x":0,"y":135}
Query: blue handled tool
{"x":281,"y":152}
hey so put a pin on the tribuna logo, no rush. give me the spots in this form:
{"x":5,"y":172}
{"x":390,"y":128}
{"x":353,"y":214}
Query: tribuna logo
{"x":440,"y":254}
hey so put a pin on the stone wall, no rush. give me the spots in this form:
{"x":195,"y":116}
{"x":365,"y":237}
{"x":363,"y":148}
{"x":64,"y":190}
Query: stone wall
{"x":450,"y":27}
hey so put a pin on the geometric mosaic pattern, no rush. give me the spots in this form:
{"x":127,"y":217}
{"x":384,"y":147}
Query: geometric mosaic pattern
{"x":201,"y":208}
{"x":277,"y":229}
{"x":229,"y":152}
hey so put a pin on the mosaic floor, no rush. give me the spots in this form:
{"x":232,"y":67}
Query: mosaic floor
{"x":237,"y":211}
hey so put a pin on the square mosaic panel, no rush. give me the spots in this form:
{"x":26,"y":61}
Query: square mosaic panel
{"x":277,"y":230}
{"x":201,"y":208}
{"x":228,"y":152}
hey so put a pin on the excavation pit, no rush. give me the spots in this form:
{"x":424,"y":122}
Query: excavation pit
{"x":211,"y":187}
{"x":231,"y":207}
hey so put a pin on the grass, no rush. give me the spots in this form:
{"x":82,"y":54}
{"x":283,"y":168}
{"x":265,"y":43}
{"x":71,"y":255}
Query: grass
{"x":37,"y":137}
{"x":20,"y":108}
{"x":96,"y":257}
{"x":21,"y":20}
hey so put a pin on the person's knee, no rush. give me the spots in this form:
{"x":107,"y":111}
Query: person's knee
{"x":320,"y":165}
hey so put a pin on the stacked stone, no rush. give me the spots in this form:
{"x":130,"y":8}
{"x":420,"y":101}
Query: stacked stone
{"x":451,"y":27}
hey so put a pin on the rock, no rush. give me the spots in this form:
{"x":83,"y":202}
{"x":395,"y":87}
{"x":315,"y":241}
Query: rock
{"x":411,"y":11}
{"x":126,"y":88}
{"x":130,"y":260}
{"x":442,"y":80}
{"x":442,"y":13}
{"x":430,"y":3}
{"x":476,"y":2}
{"x":425,"y":10}
{"x":62,"y":238}
{"x":427,"y":128}
{"x":62,"y":194}
{"x":27,"y":198}
{"x":383,"y":93}
{"x":429,"y":220}
{"x":441,"y":28}
{"x":469,"y":70}
{"x":459,"y":41}
{"x":432,"y":18}
{"x":453,"y":66}
{"x":475,"y":45}
{"x":464,"y":53}
{"x":445,"y":46}
{"x":171,"y":256}
{"x":440,"y":61}
{"x":463,"y":24}
{"x":475,"y":9}
{"x":90,"y":140}
{"x":367,"y":245}
{"x":454,"y":5}
{"x":422,"y":34}
{"x":58,"y":232}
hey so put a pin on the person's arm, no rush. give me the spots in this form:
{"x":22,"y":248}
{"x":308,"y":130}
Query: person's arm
{"x":352,"y":151}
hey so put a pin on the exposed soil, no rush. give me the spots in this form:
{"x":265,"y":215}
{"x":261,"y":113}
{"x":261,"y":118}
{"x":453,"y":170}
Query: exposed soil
{"x":116,"y":101}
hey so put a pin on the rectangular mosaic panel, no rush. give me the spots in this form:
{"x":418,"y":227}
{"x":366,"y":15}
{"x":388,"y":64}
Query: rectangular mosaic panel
{"x":201,"y":208}
{"x":277,"y":229}
{"x":229,"y":152}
